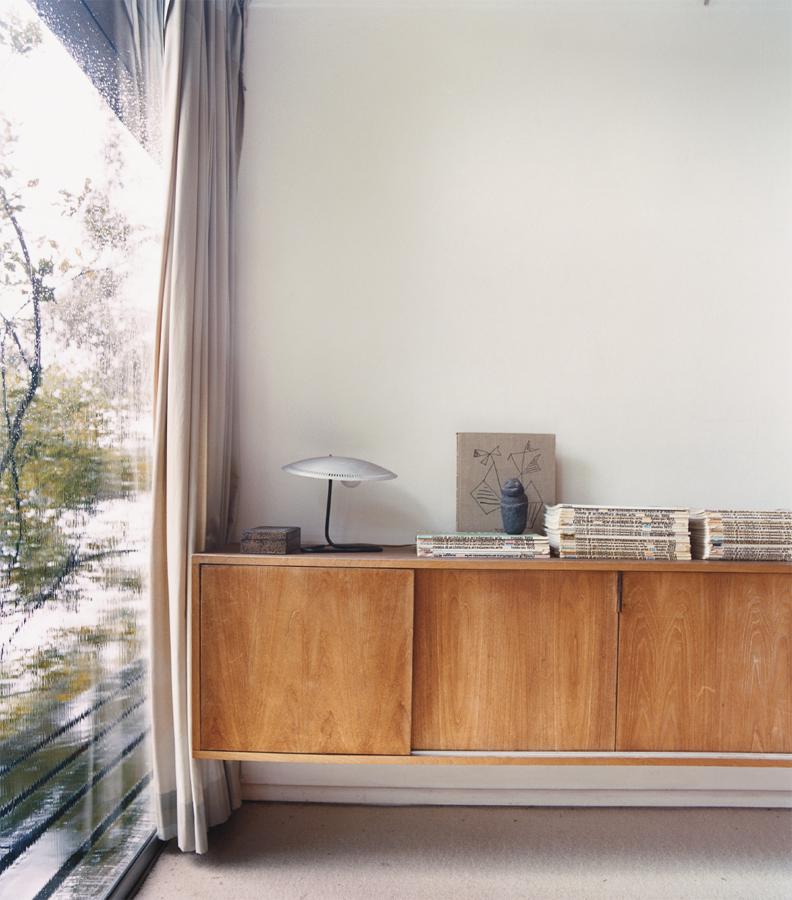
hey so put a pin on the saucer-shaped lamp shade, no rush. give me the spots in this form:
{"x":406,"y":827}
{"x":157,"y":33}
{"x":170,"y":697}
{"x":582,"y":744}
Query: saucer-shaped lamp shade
{"x":344,"y":468}
{"x":348,"y":471}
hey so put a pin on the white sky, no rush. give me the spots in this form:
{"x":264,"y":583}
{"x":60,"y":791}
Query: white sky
{"x":60,"y":120}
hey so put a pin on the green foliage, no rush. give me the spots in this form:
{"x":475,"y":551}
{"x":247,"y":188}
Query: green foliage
{"x":66,"y":460}
{"x":20,"y":36}
{"x":67,"y":464}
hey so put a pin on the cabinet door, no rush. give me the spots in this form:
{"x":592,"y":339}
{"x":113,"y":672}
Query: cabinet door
{"x":305,"y":660}
{"x":514,"y":660}
{"x":705,"y":663}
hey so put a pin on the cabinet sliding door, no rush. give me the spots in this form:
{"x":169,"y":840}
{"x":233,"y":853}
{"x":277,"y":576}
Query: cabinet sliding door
{"x":705,"y":663}
{"x":509,"y":660}
{"x":304,"y":660}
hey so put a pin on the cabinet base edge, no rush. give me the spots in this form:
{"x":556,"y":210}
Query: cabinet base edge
{"x":540,"y":758}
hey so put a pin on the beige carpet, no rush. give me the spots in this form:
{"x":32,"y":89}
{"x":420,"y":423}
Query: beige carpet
{"x":280,"y":851}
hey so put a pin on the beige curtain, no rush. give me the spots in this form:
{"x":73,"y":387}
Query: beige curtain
{"x":194,"y":472}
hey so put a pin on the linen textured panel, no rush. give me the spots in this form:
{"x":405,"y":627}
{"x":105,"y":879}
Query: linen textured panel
{"x":194,"y":475}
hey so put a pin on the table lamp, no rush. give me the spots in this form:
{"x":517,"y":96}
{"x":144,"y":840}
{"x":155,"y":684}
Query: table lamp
{"x":350,"y":472}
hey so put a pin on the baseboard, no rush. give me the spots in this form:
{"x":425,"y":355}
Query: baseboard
{"x":488,"y":797}
{"x":611,"y":785}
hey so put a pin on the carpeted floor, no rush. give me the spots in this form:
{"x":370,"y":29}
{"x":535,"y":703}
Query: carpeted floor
{"x":281,"y":851}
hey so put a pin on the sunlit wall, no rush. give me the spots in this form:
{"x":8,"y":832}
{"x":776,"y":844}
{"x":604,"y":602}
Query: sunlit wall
{"x":566,"y":217}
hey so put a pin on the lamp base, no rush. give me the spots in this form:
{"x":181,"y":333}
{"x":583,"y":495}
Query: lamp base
{"x":341,"y":548}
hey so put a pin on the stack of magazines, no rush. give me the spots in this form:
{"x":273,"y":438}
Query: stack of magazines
{"x":741,"y":534}
{"x":618,"y":532}
{"x":474,"y":545}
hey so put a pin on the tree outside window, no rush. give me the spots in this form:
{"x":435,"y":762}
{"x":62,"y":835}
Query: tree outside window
{"x":79,"y":212}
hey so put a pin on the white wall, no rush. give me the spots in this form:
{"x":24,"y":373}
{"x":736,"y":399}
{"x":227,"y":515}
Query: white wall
{"x":567,"y":217}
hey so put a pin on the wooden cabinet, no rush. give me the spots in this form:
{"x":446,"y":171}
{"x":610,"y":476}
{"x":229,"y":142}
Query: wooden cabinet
{"x":395,"y":658}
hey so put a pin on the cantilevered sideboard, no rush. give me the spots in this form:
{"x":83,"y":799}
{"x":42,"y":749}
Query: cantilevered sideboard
{"x":391,"y":658}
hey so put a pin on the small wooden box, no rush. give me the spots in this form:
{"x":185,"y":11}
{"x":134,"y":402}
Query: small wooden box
{"x":271,"y":539}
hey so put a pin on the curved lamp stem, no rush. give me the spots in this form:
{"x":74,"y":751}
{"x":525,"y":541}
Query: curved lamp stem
{"x":330,"y":547}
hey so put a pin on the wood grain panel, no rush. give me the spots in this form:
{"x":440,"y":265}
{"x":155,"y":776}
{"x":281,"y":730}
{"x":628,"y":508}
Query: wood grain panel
{"x":510,"y":660}
{"x":305,"y":660}
{"x":705,"y":663}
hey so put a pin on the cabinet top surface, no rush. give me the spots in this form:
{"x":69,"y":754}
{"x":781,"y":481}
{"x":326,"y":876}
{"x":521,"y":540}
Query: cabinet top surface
{"x":405,"y":557}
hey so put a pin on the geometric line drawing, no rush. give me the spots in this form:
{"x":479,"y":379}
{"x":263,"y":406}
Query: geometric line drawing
{"x":487,"y":493}
{"x":525,"y":463}
{"x":535,"y":504}
{"x":528,"y":457}
{"x":486,"y":455}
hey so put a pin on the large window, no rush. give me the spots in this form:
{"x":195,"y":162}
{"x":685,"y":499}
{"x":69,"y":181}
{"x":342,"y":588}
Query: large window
{"x":79,"y":208}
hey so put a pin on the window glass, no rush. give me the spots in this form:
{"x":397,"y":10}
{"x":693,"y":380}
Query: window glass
{"x":79,"y":212}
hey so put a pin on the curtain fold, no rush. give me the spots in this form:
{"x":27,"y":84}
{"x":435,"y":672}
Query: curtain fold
{"x":194,"y":470}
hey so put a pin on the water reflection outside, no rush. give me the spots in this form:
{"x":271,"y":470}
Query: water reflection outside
{"x":78,"y":214}
{"x":74,"y":761}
